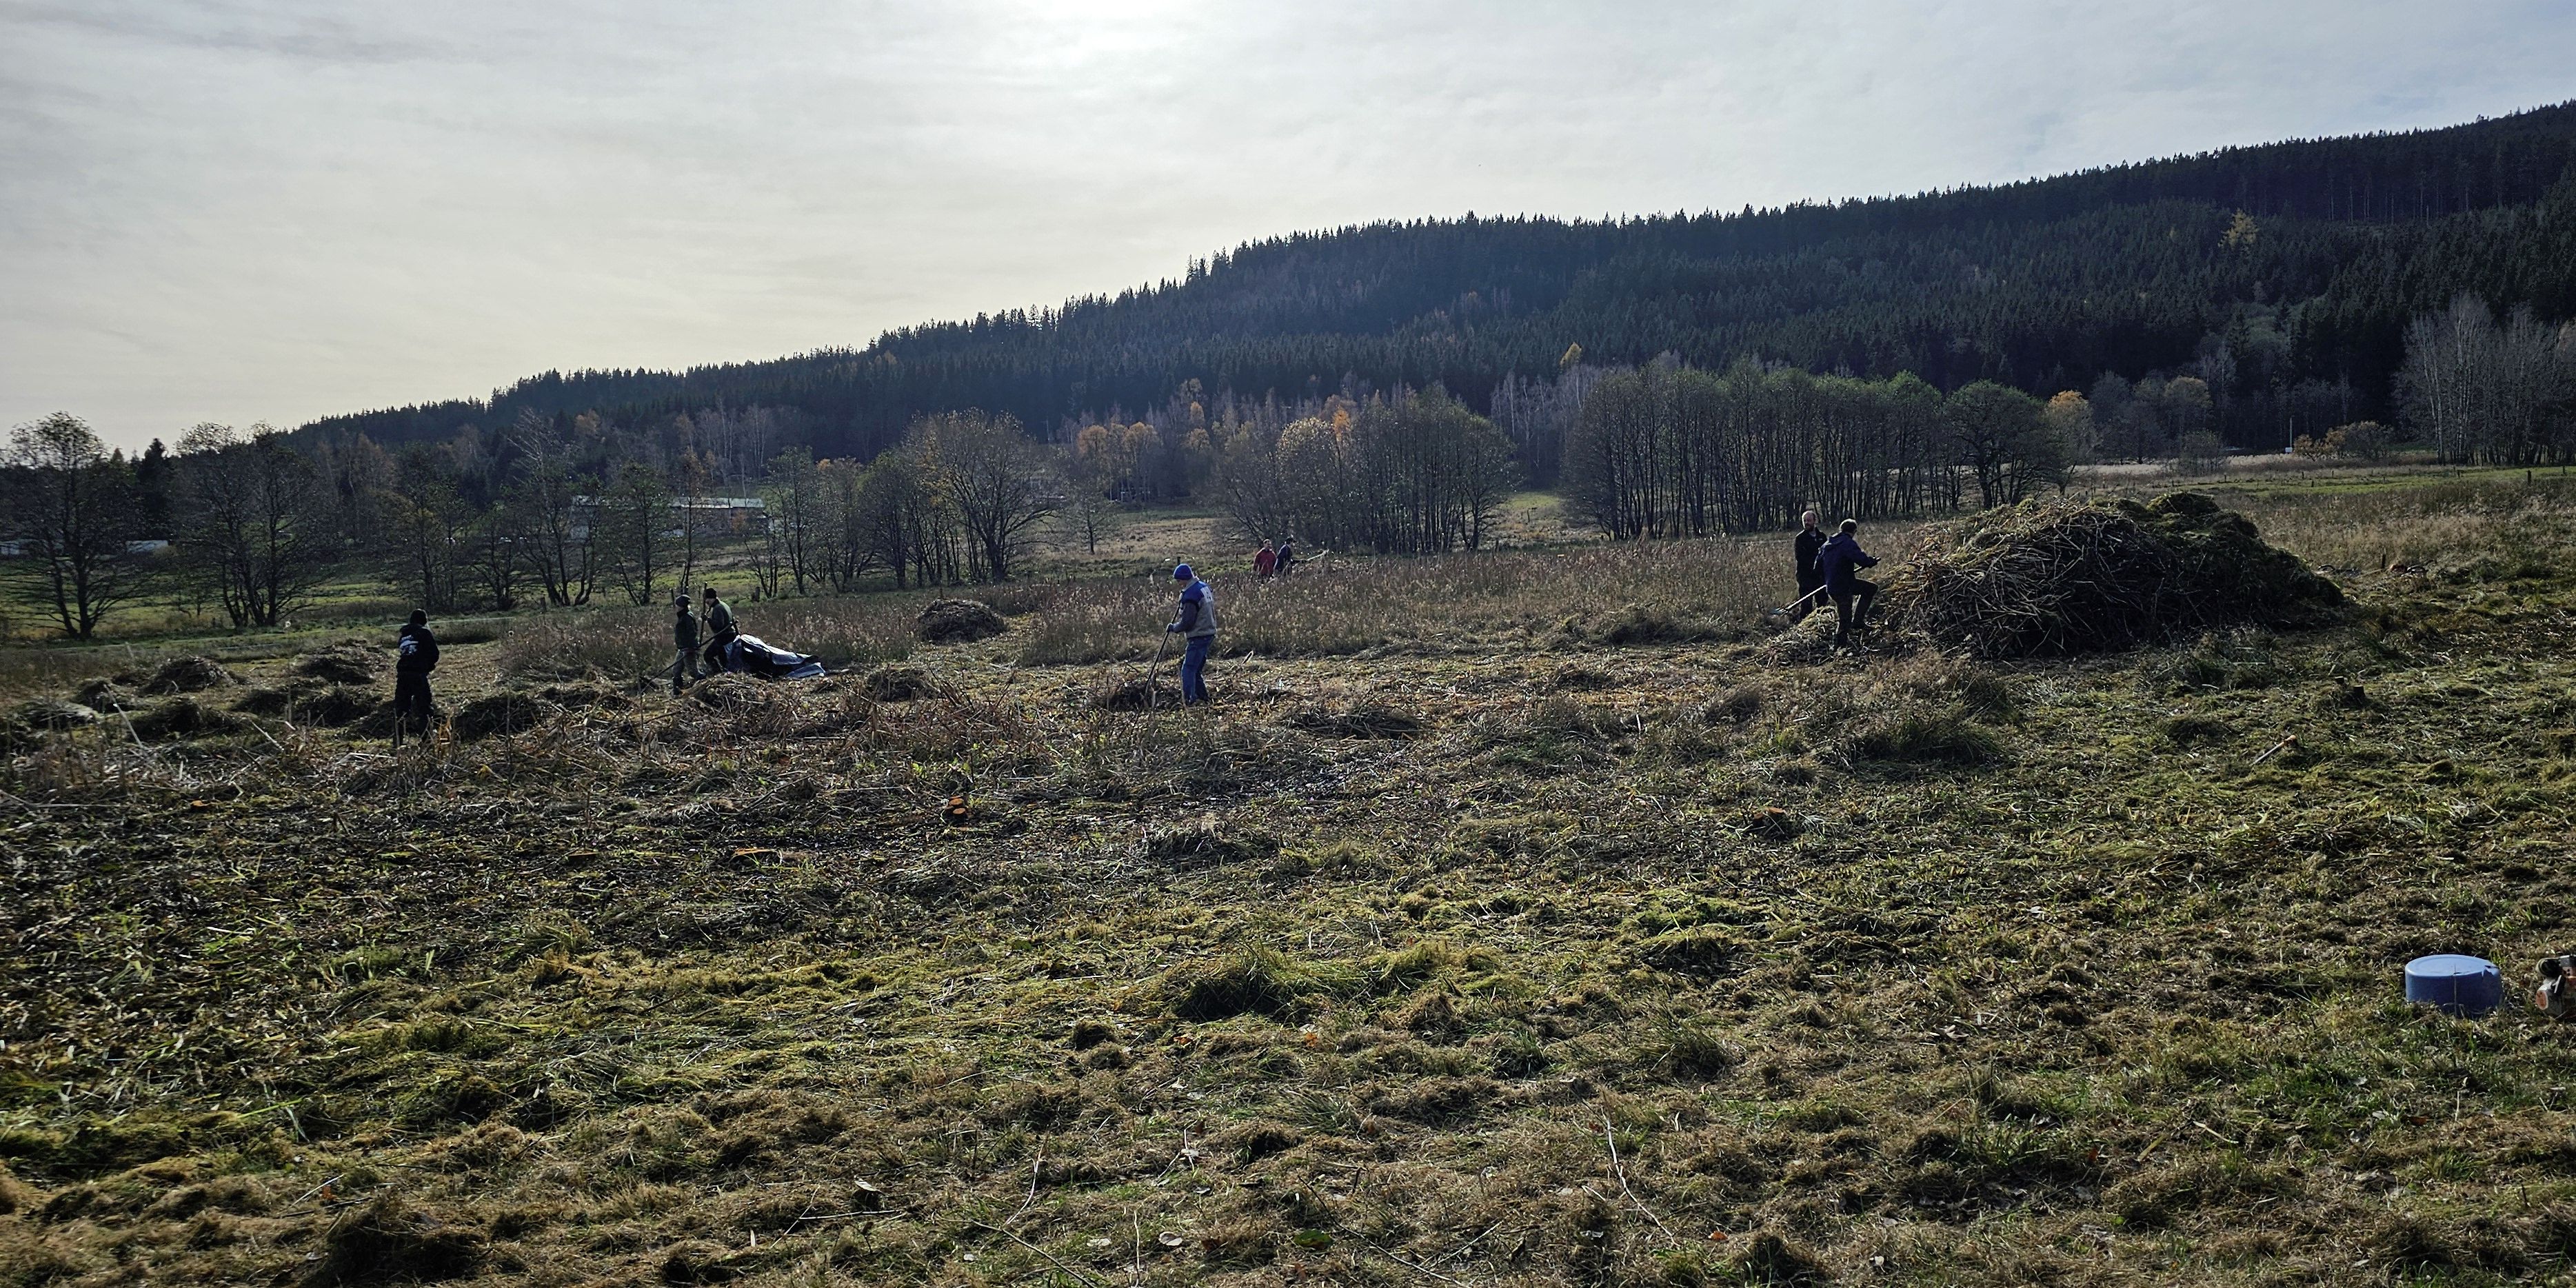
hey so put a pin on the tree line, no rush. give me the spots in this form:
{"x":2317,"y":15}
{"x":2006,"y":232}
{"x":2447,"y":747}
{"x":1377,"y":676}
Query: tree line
{"x":566,"y":511}
{"x":2282,"y":277}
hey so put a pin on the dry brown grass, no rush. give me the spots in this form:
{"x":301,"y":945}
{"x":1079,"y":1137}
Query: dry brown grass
{"x":1640,"y":593}
{"x":1889,"y":970}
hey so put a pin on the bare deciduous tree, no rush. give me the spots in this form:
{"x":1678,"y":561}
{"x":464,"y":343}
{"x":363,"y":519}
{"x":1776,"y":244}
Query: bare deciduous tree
{"x":74,"y":504}
{"x":250,"y":522}
{"x":1003,"y":483}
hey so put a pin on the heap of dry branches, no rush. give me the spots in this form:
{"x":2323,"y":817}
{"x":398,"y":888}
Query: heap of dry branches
{"x":2054,"y":577}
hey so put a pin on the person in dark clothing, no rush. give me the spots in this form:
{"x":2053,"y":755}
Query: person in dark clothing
{"x":684,"y":637}
{"x":415,"y":656}
{"x":1287,"y":557}
{"x":1811,"y":539}
{"x":720,"y":629}
{"x":1197,"y":624}
{"x":1840,"y":561}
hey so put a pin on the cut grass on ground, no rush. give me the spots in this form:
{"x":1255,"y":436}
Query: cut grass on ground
{"x":1524,"y":958}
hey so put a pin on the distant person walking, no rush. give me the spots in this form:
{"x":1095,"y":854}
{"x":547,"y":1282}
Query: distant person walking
{"x":1811,"y":583}
{"x":415,"y":656}
{"x":1287,"y":556}
{"x":684,"y":637}
{"x":1840,"y":561}
{"x":1195,"y":623}
{"x":720,"y":628}
{"x":1265,"y":561}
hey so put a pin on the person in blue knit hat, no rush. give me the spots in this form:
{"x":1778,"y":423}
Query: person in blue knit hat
{"x":1197,"y":624}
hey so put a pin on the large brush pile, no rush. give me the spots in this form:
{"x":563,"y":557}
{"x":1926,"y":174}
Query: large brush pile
{"x":2052,"y":577}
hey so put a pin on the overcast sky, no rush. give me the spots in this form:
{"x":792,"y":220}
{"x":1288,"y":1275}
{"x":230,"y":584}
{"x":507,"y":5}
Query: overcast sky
{"x":243,"y":211}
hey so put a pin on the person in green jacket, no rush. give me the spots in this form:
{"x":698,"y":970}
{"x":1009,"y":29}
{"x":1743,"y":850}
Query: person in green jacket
{"x":720,"y":629}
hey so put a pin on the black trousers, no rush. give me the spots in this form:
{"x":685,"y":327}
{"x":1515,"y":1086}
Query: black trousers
{"x":1851,"y":607}
{"x":411,"y":697}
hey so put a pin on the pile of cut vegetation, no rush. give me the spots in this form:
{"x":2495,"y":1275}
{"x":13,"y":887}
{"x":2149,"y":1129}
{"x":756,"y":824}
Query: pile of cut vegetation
{"x":959,"y":621}
{"x":2045,"y":578}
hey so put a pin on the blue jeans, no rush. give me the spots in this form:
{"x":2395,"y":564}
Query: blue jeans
{"x":1193,"y":663}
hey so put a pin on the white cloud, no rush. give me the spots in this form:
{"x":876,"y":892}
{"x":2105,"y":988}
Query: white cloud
{"x":242,"y":211}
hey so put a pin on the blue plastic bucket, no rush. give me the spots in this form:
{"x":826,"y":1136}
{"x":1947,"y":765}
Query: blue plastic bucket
{"x":2459,"y":984}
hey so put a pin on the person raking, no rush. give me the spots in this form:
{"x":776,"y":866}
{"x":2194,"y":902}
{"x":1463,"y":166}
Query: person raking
{"x":415,"y":656}
{"x":1811,"y":583}
{"x":1840,"y":562}
{"x":684,"y":637}
{"x":1196,"y":623}
{"x":719,"y":627}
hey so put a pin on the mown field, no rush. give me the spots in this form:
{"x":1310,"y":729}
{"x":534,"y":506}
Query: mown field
{"x":1534,"y":918}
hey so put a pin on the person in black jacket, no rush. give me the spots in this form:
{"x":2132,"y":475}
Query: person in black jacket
{"x":415,"y":656}
{"x":1811,"y":541}
{"x":684,"y":636}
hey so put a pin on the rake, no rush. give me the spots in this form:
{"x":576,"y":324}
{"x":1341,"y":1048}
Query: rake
{"x":1783,"y":614}
{"x":1154,"y":670}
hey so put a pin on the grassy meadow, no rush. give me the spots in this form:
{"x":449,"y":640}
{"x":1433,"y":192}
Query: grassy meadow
{"x":1538,"y":917}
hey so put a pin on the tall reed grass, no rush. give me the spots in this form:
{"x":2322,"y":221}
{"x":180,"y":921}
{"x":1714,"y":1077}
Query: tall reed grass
{"x":625,"y":642}
{"x":2481,"y":528}
{"x":1624,"y":593}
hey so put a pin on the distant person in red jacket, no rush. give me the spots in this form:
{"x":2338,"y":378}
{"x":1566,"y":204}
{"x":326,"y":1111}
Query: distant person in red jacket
{"x":1265,"y":560}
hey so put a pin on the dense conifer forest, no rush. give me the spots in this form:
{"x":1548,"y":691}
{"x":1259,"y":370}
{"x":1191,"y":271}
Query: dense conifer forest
{"x":2284,"y":276}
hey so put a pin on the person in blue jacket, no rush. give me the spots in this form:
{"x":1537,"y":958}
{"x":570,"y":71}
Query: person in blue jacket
{"x":1196,"y":623}
{"x":1840,"y":562}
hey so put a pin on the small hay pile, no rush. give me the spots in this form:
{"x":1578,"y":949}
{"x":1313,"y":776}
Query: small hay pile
{"x":1364,"y":720}
{"x":54,"y":713}
{"x":895,"y":682}
{"x":344,"y":664}
{"x":336,"y":707}
{"x":959,"y":621}
{"x":102,"y":694}
{"x":2046,"y":578}
{"x":497,"y":713}
{"x":182,"y":717}
{"x":1136,"y":695}
{"x":188,"y":675}
{"x":734,"y":693}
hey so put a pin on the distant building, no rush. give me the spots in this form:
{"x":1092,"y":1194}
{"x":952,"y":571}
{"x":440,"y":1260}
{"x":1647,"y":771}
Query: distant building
{"x":26,"y":549}
{"x":718,"y":516}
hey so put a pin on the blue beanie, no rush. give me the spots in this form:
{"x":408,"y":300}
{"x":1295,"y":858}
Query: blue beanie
{"x":1181,"y":573}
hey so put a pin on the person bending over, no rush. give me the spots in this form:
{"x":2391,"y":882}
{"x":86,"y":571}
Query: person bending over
{"x":1840,"y":561}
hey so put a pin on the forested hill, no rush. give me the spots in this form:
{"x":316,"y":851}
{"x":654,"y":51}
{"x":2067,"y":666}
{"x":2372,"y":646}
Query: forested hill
{"x":2286,"y":266}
